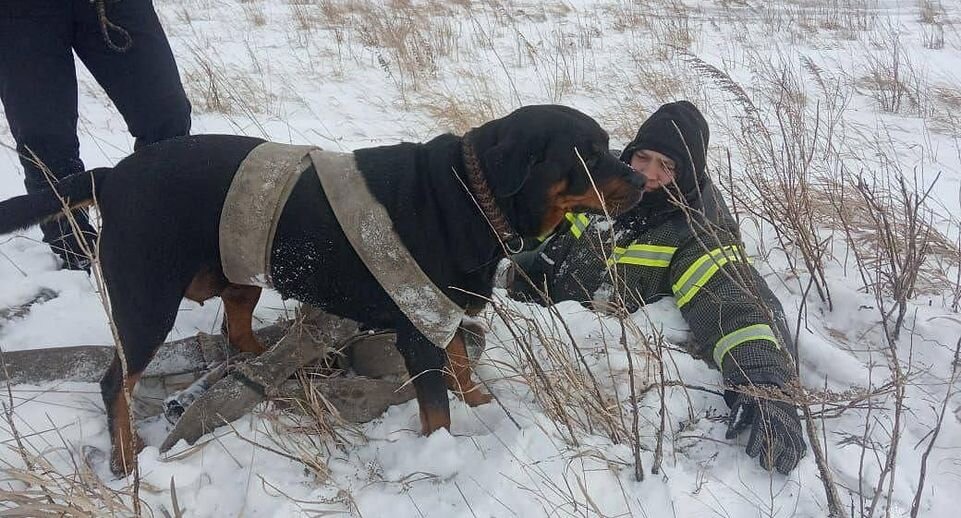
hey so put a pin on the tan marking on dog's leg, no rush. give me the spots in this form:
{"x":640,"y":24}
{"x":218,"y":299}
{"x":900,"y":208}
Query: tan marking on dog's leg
{"x":432,"y":419}
{"x":206,"y":285}
{"x":458,"y":373}
{"x":239,"y":304}
{"x":127,"y":443}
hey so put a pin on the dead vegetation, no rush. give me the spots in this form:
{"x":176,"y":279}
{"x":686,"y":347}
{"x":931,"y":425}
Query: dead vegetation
{"x":787,"y":155}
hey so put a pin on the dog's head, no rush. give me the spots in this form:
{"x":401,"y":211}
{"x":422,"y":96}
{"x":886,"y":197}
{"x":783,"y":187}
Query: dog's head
{"x":544,"y":161}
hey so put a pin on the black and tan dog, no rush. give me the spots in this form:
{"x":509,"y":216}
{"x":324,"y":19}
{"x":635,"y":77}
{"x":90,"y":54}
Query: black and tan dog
{"x":161,"y":210}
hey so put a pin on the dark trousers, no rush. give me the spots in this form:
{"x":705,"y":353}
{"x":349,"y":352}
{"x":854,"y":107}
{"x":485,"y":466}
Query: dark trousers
{"x":38,"y":87}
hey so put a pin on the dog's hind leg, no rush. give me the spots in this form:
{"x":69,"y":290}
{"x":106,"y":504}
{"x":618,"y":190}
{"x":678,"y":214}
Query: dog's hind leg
{"x":143,"y":318}
{"x":239,"y":303}
{"x":124,"y":441}
{"x":425,"y":364}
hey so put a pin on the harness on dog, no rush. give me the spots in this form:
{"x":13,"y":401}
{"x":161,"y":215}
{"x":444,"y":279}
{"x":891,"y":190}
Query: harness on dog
{"x":256,"y":199}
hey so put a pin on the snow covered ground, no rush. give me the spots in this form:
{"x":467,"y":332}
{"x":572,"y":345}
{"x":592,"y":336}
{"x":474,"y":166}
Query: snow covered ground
{"x":849,"y":86}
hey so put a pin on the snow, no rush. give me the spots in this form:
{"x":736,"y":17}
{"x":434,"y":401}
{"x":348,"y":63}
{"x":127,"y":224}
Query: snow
{"x":338,"y":85}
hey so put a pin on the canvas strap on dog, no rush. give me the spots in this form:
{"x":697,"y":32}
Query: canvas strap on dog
{"x":252,"y":210}
{"x":256,"y":199}
{"x":371,"y":232}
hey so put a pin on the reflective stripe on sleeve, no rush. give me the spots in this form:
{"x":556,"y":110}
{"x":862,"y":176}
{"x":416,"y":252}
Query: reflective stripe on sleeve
{"x":744,"y":334}
{"x":701,"y":271}
{"x":643,"y":255}
{"x":579,"y":223}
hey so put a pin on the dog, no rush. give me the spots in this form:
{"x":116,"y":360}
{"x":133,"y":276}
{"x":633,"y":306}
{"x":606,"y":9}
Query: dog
{"x":161,"y":210}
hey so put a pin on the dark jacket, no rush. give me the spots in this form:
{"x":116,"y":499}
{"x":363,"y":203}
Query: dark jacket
{"x":690,"y":251}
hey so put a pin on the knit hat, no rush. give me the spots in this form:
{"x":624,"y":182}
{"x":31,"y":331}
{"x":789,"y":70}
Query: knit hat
{"x":679,"y":131}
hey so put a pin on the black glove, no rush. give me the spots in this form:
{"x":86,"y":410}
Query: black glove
{"x":776,"y":433}
{"x":527,"y":273}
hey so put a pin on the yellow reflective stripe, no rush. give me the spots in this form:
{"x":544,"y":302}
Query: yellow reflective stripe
{"x":701,"y":271}
{"x":615,"y":255}
{"x":579,"y":223}
{"x":643,"y":255}
{"x":744,"y":334}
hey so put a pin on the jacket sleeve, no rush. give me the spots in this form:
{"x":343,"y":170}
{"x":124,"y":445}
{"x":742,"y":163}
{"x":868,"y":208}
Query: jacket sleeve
{"x":570,"y":265}
{"x":734,"y":317}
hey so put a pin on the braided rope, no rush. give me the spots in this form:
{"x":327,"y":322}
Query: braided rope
{"x":106,"y":26}
{"x":482,"y":191}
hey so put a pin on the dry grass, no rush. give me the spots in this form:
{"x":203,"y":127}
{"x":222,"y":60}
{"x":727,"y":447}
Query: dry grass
{"x":466,"y":107}
{"x":796,"y":167}
{"x":791,"y":169}
{"x":946,"y":109}
{"x":892,"y":77}
{"x":820,"y":21}
{"x":781,"y":152}
{"x":43,"y":487}
{"x":405,"y":40}
{"x":933,"y":36}
{"x":546,"y":359}
{"x":254,"y":13}
{"x":931,"y":12}
{"x":215,"y":86}
{"x":877,"y":214}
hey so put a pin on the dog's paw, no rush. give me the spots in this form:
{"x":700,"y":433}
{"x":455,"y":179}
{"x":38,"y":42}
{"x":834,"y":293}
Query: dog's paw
{"x":123,"y":459}
{"x":476,"y":397}
{"x":93,"y":457}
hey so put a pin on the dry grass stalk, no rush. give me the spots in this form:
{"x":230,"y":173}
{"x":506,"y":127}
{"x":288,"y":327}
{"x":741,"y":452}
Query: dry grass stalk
{"x":946,"y":109}
{"x":635,"y":432}
{"x":955,"y":372}
{"x":903,"y":226}
{"x":900,"y":378}
{"x":46,"y":489}
{"x":92,"y":254}
{"x":553,"y":370}
{"x":307,"y":430}
{"x":214,"y":86}
{"x":305,"y":14}
{"x":892,"y":77}
{"x":933,"y":36}
{"x":406,"y":40}
{"x":807,"y":21}
{"x":254,"y":13}
{"x":467,"y":105}
{"x":780,"y":165}
{"x":907,"y":217}
{"x":930,"y":11}
{"x":662,"y":384}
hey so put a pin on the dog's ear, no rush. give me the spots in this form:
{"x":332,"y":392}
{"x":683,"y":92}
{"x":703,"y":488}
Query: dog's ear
{"x":509,"y":163}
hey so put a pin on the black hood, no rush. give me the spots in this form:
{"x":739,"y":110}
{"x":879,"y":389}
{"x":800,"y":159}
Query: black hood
{"x":679,"y":131}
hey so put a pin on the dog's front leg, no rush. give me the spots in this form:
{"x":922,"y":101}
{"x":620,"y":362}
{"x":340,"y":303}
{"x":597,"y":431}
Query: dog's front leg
{"x":425,"y":364}
{"x":458,"y":372}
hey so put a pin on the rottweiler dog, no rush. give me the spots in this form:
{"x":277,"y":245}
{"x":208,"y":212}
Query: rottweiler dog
{"x":161,"y":210}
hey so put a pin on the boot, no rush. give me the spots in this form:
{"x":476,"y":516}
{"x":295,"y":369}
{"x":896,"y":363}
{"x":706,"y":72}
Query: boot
{"x":62,"y":240}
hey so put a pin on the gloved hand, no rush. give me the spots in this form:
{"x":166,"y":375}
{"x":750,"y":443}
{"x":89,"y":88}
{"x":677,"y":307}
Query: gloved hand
{"x":776,"y":433}
{"x":534,"y":272}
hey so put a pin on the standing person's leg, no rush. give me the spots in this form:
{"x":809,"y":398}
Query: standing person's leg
{"x":142,"y":81}
{"x":38,"y":88}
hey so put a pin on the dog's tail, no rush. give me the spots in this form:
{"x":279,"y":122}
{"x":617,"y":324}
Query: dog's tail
{"x":77,"y":190}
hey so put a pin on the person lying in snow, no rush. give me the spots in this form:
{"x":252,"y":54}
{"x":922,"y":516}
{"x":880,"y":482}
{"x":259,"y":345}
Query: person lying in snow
{"x":681,"y":241}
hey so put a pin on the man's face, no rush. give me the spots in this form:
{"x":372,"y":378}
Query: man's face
{"x":657,"y":168}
